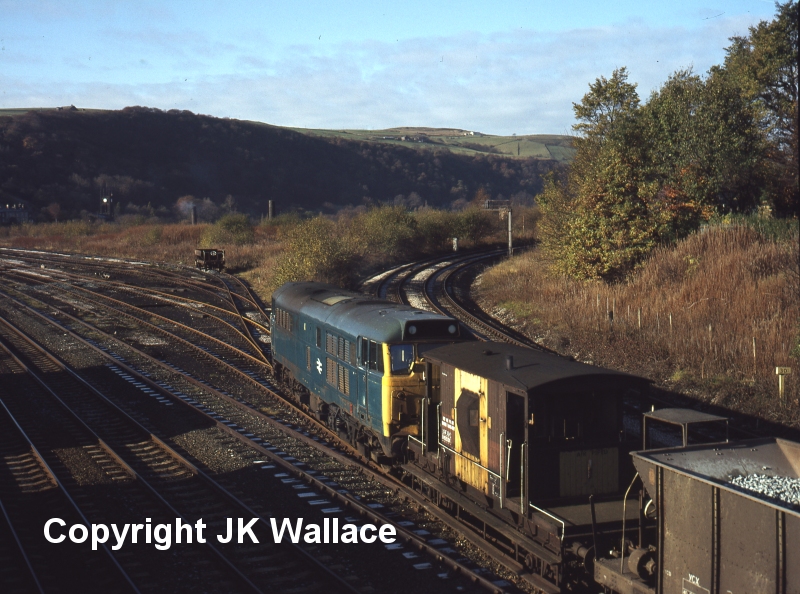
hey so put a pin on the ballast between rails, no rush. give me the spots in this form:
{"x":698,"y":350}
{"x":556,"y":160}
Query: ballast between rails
{"x":121,"y":571}
{"x":194,"y":469}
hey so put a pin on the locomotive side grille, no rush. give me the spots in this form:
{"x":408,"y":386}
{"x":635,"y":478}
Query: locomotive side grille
{"x":340,"y":350}
{"x":284,"y":319}
{"x":331,"y":372}
{"x":330,"y":343}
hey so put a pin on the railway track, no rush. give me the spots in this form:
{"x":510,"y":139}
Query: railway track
{"x":235,"y":413}
{"x":31,"y":494}
{"x":207,"y":351}
{"x":165,"y":485}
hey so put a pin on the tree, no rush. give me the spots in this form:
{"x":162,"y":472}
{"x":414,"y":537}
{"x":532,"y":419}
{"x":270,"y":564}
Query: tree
{"x":703,"y":148}
{"x":598,"y":225}
{"x":315,"y":252}
{"x":609,"y":105}
{"x":229,"y":204}
{"x":765,"y":66}
{"x":54,"y":210}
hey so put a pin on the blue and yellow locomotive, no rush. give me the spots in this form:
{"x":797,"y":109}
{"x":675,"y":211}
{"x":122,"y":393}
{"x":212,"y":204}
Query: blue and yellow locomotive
{"x":356,"y":360}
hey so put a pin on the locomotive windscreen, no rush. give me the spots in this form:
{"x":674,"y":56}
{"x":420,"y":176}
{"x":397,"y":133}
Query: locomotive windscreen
{"x":418,"y":329}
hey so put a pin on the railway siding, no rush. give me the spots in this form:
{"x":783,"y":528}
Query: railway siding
{"x":239,"y":434}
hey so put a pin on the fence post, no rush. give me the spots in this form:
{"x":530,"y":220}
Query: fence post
{"x":781,"y":372}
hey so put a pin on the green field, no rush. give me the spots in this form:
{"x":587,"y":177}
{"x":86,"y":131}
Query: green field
{"x":537,"y":146}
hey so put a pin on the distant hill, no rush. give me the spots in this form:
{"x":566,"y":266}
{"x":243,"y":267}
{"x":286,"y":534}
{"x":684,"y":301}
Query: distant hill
{"x":148,"y":156}
{"x":464,"y":142}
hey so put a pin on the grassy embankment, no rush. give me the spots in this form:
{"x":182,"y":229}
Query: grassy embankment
{"x":711,"y":317}
{"x":340,"y":250}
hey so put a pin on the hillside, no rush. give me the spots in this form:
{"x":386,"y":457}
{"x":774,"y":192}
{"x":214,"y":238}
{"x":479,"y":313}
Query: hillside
{"x":464,"y":142}
{"x":146,"y":156}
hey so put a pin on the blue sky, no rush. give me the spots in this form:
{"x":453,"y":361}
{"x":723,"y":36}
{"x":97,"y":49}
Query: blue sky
{"x":499,"y":68}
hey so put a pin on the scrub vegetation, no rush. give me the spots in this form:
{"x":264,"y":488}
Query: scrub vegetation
{"x":712,"y":315}
{"x":339,"y":249}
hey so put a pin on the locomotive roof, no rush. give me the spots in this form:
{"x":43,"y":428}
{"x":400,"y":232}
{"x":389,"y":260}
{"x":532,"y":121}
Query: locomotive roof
{"x":354,"y":313}
{"x":530,"y":368}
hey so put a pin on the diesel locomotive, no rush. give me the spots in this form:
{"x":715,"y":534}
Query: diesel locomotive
{"x":356,"y":361}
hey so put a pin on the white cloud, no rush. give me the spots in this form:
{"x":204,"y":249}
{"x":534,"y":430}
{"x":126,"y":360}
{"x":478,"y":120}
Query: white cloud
{"x":520,"y":81}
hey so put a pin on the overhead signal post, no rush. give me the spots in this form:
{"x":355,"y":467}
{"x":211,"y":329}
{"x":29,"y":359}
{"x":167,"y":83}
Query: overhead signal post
{"x":500,"y":206}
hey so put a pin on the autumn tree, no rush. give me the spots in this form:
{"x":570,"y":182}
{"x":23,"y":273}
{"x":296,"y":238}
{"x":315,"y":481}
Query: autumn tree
{"x":607,"y":110}
{"x":54,"y":210}
{"x":596,"y":222}
{"x":316,"y":251}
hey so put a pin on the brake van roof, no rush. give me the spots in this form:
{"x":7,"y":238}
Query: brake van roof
{"x":530,"y":368}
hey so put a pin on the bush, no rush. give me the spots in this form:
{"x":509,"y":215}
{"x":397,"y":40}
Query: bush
{"x":232,"y":228}
{"x":316,"y":250}
{"x":387,"y":232}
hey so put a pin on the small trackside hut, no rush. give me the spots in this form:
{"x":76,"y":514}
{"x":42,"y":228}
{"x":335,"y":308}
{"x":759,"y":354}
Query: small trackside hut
{"x":209,"y":259}
{"x":527,"y":436}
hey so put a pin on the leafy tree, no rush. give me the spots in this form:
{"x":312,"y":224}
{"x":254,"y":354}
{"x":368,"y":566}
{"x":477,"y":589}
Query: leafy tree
{"x":606,"y":110}
{"x":388,"y":231}
{"x":765,"y":66}
{"x":316,"y":251}
{"x":597,"y":225}
{"x":54,"y":210}
{"x":231,"y":228}
{"x":435,"y":228}
{"x":596,"y":222}
{"x":702,"y":146}
{"x":476,"y":224}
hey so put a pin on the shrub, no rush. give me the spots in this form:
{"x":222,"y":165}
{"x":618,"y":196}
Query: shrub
{"x":315,"y":250}
{"x":233,"y":228}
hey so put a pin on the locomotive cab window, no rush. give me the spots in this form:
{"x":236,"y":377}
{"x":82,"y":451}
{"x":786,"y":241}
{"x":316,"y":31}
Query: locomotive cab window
{"x":371,"y":355}
{"x":402,"y":358}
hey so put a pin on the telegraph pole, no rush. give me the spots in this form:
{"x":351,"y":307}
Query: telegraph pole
{"x":500,"y":206}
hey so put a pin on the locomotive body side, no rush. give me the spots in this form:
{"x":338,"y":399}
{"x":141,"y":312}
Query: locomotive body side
{"x":356,"y":359}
